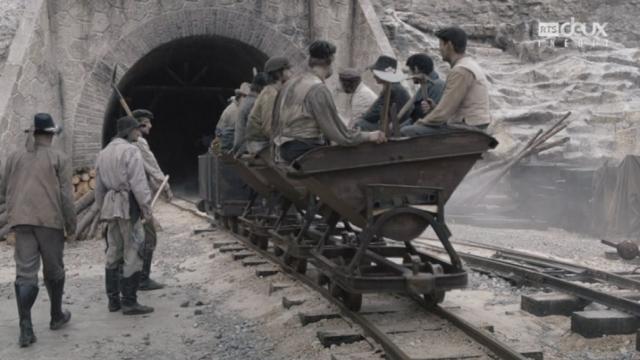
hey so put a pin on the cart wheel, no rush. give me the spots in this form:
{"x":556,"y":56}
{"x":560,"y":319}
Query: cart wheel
{"x":263,"y":243}
{"x":322,"y":279}
{"x":278,"y":251}
{"x":352,"y":301}
{"x":234,"y":224}
{"x":301,"y":266}
{"x":335,"y":290}
{"x":288,"y":259}
{"x":433,"y":299}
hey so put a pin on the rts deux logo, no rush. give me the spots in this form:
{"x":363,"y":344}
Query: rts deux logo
{"x":594,"y":32}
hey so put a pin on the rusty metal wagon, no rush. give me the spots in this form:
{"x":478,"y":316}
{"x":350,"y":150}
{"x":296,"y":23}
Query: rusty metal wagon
{"x":225,"y":195}
{"x":392,"y":192}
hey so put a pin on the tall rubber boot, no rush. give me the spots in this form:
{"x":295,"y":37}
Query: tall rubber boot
{"x":25,"y":297}
{"x":146,"y":283}
{"x":59,"y":317}
{"x":112,"y":284}
{"x":130,"y":304}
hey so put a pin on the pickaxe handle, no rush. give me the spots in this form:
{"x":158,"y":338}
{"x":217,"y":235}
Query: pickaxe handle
{"x":384,"y":120}
{"x":121,"y":99}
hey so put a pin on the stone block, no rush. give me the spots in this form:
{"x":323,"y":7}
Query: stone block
{"x":551,"y":304}
{"x":597,"y":323}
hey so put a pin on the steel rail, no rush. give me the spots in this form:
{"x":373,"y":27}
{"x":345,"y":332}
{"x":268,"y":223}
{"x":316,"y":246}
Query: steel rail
{"x":484,"y":338}
{"x":539,"y":279}
{"x":611,"y":278}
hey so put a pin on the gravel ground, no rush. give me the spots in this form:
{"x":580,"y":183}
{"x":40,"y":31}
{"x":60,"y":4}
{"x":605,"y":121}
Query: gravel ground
{"x":212,"y":307}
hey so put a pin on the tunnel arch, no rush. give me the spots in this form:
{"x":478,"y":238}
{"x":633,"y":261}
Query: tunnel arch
{"x":231,"y":32}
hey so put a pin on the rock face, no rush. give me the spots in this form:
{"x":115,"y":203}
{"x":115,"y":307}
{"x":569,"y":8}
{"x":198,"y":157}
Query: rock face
{"x":534,"y":81}
{"x":10,"y":14}
{"x":69,"y":49}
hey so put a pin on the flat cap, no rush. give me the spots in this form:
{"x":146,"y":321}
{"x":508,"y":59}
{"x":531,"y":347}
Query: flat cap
{"x":276,"y":63}
{"x":142,"y":113}
{"x":349,"y":74}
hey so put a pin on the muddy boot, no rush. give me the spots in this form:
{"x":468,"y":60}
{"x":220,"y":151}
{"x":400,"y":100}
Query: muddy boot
{"x":59,"y":317}
{"x":146,"y":283}
{"x":130,"y":304}
{"x":25,"y":297}
{"x":112,"y":284}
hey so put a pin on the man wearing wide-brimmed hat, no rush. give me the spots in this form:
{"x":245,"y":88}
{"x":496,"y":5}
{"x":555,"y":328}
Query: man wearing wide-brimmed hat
{"x":225,"y":127}
{"x":38,"y":193}
{"x":123,"y":196}
{"x":385,"y":70}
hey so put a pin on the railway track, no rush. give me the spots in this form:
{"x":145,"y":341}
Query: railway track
{"x":561,"y":276}
{"x":370,"y":326}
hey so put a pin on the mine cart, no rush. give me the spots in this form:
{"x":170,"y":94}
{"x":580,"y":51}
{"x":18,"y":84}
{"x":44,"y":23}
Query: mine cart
{"x":392,"y":192}
{"x":224,"y":193}
{"x":286,"y":205}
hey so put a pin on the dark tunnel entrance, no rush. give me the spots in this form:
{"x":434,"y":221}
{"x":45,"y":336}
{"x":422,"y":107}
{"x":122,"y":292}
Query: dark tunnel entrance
{"x":186,"y":84}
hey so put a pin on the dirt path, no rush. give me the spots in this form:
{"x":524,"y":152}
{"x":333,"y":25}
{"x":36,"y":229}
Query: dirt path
{"x":212,"y":308}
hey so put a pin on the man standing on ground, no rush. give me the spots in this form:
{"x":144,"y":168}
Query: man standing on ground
{"x":399,"y":95}
{"x":360,"y":96}
{"x":465,"y":100}
{"x":37,"y":189}
{"x":306,"y":117}
{"x":278,"y":71}
{"x":123,"y":196}
{"x":155,"y":177}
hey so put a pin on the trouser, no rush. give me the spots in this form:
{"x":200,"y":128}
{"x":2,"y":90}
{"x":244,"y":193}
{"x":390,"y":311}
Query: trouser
{"x":125,"y":240}
{"x":33,"y":243}
{"x":364,"y":125}
{"x":292,"y":150}
{"x":150,"y":241}
{"x":418,"y":129}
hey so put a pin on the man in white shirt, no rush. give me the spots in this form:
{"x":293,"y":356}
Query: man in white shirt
{"x":359,"y":96}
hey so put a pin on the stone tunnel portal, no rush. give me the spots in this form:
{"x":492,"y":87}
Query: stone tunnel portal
{"x":186,"y":83}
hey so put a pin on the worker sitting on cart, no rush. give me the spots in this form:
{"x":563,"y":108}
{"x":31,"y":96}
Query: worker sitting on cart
{"x":278,"y":70}
{"x":305,"y":115}
{"x":465,"y":101}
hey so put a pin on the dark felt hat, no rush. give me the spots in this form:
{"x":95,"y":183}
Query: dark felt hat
{"x":276,"y":63}
{"x":384,"y":63}
{"x":126,"y":124}
{"x":321,"y":49}
{"x":386,"y":69}
{"x":43,"y":122}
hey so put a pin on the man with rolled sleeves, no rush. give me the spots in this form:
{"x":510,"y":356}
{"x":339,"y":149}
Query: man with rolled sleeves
{"x":37,"y":189}
{"x":155,"y":177}
{"x":123,"y":196}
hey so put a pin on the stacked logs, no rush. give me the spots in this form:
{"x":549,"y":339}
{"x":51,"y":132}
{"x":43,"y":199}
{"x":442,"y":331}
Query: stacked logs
{"x":83,"y":180}
{"x":88,"y":225}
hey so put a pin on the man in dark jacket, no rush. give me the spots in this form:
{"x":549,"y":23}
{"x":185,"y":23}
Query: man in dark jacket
{"x":399,"y":95}
{"x":431,"y":85}
{"x":37,"y":189}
